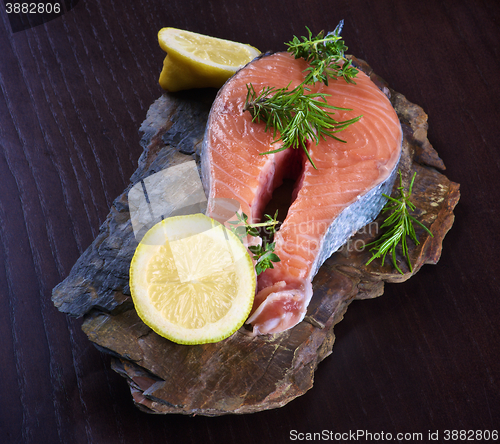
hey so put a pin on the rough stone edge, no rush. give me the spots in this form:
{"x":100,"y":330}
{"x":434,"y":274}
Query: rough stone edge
{"x":365,"y":289}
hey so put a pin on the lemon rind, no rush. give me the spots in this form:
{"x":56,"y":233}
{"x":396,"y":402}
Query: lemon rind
{"x":215,"y":332}
{"x":175,"y":50}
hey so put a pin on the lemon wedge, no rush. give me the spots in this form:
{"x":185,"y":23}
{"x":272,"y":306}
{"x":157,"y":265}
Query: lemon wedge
{"x":192,"y":280}
{"x":199,"y":61}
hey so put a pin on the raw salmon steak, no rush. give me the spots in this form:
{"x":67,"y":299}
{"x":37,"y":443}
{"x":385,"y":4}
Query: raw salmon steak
{"x":329,"y":204}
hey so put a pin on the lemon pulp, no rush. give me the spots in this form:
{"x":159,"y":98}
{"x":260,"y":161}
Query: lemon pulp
{"x":198,"y":61}
{"x":191,"y":280}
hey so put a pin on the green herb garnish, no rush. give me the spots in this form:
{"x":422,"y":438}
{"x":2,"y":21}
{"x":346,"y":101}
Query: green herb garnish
{"x":325,"y":55}
{"x":399,"y":225}
{"x":296,"y":115}
{"x":263,"y":254}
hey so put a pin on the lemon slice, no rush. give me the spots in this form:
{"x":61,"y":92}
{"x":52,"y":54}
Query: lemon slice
{"x":199,"y":61}
{"x":192,"y":280}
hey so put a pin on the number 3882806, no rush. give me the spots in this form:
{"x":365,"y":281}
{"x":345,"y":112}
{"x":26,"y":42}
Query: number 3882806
{"x":32,"y":8}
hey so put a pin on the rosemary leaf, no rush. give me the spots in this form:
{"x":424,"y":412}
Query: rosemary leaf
{"x":398,"y":225}
{"x":325,"y":55}
{"x":298,"y":116}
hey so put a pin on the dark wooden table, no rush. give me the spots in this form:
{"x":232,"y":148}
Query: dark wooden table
{"x":423,"y":358}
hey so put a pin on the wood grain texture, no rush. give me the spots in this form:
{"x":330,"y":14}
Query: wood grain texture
{"x":73,"y":93}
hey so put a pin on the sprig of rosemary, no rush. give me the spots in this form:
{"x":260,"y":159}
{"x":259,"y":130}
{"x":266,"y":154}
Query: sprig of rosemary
{"x":399,"y":225}
{"x":297,"y":116}
{"x":264,"y":255}
{"x":325,"y":55}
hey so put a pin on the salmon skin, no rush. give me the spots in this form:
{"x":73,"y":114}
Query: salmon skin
{"x":329,"y":204}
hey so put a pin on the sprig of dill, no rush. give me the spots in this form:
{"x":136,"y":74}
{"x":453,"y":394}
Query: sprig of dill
{"x":399,"y":225}
{"x":297,"y":116}
{"x":325,"y":55}
{"x":264,"y":254}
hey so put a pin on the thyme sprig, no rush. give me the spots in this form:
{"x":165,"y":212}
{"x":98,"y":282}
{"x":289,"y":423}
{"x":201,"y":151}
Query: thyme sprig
{"x":399,"y":225}
{"x":242,"y":228}
{"x":298,"y":116}
{"x":325,"y":55}
{"x":264,"y":254}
